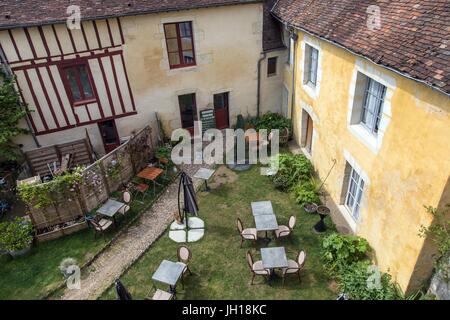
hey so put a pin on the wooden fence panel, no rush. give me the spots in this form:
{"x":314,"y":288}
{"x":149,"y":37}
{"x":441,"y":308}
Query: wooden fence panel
{"x":97,"y":182}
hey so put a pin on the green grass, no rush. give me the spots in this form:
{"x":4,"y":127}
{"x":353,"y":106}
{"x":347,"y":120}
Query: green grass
{"x":36,"y":275}
{"x":219,"y":265}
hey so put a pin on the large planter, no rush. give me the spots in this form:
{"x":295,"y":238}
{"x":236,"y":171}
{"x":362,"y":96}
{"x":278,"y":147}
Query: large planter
{"x":19,"y":253}
{"x":61,"y":232}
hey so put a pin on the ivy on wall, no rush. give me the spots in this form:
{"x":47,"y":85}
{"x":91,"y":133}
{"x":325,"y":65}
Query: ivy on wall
{"x":43,"y":195}
{"x":11,"y":112}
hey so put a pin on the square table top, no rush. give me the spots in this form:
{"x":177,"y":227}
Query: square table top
{"x":266,"y":222}
{"x":110,"y":208}
{"x":204,"y":173}
{"x":274,"y":257}
{"x":168,"y":272}
{"x":150,"y":173}
{"x":262,"y":207}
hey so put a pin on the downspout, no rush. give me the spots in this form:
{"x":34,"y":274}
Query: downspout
{"x":294,"y":37}
{"x":258,"y":90}
{"x":9,"y":74}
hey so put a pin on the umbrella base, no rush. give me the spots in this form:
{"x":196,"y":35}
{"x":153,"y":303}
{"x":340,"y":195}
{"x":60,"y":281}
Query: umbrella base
{"x":179,"y":234}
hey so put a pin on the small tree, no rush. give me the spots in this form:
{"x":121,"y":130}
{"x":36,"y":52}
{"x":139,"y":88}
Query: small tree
{"x":11,"y":112}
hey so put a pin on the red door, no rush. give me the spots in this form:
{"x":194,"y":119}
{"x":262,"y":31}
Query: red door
{"x":109,"y":134}
{"x":188,"y":111}
{"x":221,"y":110}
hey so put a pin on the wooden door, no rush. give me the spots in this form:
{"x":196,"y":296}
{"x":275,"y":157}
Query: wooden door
{"x":188,"y":111}
{"x":221,"y":110}
{"x":109,"y":134}
{"x":309,"y":134}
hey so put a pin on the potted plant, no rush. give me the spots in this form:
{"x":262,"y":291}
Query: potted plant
{"x":65,"y":265}
{"x":16,"y":236}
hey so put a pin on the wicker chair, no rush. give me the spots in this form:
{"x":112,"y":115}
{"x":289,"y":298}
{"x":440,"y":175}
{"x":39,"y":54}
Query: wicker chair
{"x":126,"y":197}
{"x":257,"y":268}
{"x":246,"y":234}
{"x":294,"y":267}
{"x":184,"y":256}
{"x":284,"y":231}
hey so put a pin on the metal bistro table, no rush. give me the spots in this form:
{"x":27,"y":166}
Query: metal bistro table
{"x":262,"y":208}
{"x":274,"y":258}
{"x":169,"y":273}
{"x":204,"y":174}
{"x":266,"y":222}
{"x":110,"y":208}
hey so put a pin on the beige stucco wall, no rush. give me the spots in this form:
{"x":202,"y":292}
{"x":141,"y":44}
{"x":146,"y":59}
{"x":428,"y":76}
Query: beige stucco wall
{"x":408,"y":170}
{"x":228,"y":44}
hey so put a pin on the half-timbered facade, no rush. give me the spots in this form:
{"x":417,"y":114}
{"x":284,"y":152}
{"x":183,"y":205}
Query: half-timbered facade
{"x":112,"y":74}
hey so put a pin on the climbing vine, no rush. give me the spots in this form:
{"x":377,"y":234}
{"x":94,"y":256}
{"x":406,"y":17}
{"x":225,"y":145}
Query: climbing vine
{"x":439,"y":233}
{"x":11,"y":112}
{"x":43,"y":195}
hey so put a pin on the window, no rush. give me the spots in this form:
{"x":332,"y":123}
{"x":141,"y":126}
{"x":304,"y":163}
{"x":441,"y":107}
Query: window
{"x":372,"y":105}
{"x":354,"y":193}
{"x":180,"y":44}
{"x":79,"y":83}
{"x":311,"y":63}
{"x":221,"y":100}
{"x":271,"y":66}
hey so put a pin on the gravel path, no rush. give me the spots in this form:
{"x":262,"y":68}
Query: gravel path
{"x":131,"y":244}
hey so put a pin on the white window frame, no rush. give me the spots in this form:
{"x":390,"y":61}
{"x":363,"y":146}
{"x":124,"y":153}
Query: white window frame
{"x":354,"y":124}
{"x":357,"y":183}
{"x":311,"y":89}
{"x":346,"y":213}
{"x":311,"y":63}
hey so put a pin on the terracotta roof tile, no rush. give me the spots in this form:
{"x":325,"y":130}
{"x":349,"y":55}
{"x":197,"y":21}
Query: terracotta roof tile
{"x":413,"y":38}
{"x":15,"y":13}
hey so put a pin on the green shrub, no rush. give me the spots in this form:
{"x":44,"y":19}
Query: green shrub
{"x":306,"y":192}
{"x":15,"y":235}
{"x":271,"y":121}
{"x":340,"y":251}
{"x":361,"y":282}
{"x":292,"y":169}
{"x":281,"y":182}
{"x":163,"y":152}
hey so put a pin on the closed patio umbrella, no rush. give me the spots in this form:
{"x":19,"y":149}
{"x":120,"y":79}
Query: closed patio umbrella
{"x":121,"y":291}
{"x":190,"y":205}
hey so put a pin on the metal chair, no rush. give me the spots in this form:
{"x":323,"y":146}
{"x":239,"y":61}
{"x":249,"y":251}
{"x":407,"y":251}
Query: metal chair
{"x":246,"y":234}
{"x":294,"y":267}
{"x":257,"y":268}
{"x":126,"y":197}
{"x":284,"y":231}
{"x":184,"y":255}
{"x":99,"y":225}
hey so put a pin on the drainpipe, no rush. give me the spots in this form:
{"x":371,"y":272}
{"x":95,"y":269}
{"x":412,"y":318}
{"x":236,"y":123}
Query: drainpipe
{"x":294,"y":60}
{"x":9,"y":74}
{"x":258,"y":90}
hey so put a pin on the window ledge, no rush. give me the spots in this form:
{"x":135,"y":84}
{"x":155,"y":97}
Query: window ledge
{"x":348,"y":217}
{"x":310,"y":89}
{"x":367,"y":138}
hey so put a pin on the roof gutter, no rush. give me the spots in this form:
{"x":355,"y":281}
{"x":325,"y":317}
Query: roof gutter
{"x":357,"y":54}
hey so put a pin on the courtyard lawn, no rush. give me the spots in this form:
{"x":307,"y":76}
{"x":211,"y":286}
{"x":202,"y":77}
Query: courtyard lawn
{"x":219,"y":265}
{"x":36,"y":275}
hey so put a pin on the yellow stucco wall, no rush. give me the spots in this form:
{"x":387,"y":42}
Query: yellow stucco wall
{"x":409,"y":170}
